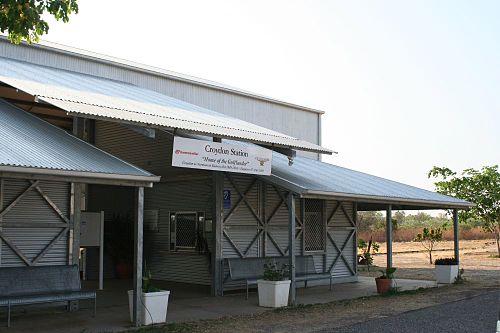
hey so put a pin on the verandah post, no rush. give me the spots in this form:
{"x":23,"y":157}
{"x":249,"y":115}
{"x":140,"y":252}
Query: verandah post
{"x":456,"y":246}
{"x":291,"y":246}
{"x":388,"y":238}
{"x":138,"y":246}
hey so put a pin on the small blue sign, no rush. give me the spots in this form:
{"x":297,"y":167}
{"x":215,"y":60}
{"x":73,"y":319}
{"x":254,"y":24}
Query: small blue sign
{"x":227,"y":199}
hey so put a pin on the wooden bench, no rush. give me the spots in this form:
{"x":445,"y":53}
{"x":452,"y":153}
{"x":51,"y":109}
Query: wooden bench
{"x":41,"y":284}
{"x":252,"y":269}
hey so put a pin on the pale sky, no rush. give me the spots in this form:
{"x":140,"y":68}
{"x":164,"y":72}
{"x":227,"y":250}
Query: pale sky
{"x":405,"y":84}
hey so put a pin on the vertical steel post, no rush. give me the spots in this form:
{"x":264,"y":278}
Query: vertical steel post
{"x":77,"y":211}
{"x":291,"y":246}
{"x":74,"y":232}
{"x":264,"y":219}
{"x":101,"y":253}
{"x":388,"y":238}
{"x":355,"y":245}
{"x":217,"y":228}
{"x":1,"y":208}
{"x":456,"y":246}
{"x":138,"y":245}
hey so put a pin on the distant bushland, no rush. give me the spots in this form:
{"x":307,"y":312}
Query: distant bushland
{"x":408,"y":234}
{"x":406,"y":227}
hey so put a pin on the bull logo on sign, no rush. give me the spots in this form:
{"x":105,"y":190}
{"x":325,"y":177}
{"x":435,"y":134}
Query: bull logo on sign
{"x":262,"y":160}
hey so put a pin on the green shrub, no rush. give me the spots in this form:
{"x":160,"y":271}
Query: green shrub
{"x":446,"y":261}
{"x":273,"y":271}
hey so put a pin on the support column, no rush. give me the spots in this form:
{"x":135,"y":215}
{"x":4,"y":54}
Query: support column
{"x":77,"y":211}
{"x":355,"y":245}
{"x":217,"y":227}
{"x":1,"y":208}
{"x":291,"y":246}
{"x":456,"y":246}
{"x":388,"y":237}
{"x":138,"y":244}
{"x":74,"y":232}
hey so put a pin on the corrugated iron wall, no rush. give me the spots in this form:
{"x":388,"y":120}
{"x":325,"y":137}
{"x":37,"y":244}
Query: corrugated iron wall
{"x":166,"y":198}
{"x":246,"y":236}
{"x":19,"y":224}
{"x":181,"y":190}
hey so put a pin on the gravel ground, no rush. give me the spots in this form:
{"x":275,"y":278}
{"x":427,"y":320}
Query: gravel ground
{"x":476,"y":314}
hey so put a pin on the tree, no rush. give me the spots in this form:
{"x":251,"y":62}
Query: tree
{"x":428,"y":238}
{"x":23,"y":18}
{"x":480,"y":187}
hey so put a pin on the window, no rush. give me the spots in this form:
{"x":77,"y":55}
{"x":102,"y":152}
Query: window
{"x":188,"y":232}
{"x":314,"y":226}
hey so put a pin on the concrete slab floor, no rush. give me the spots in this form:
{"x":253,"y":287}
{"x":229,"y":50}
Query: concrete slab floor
{"x":187,"y":303}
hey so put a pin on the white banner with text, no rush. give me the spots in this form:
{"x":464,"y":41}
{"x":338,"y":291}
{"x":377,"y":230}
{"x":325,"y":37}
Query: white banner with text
{"x":208,"y":155}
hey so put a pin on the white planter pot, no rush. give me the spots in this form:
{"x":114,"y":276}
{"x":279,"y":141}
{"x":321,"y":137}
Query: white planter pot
{"x":273,"y":294}
{"x":153,"y":307}
{"x":446,"y":273}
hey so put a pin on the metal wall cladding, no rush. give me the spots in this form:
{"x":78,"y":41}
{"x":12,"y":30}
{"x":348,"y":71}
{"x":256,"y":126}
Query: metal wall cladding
{"x":91,"y":96}
{"x":303,"y":124}
{"x":32,"y":208}
{"x":266,"y":200}
{"x":277,"y":227}
{"x":339,"y":229}
{"x":192,"y":192}
{"x":181,"y":267}
{"x":154,"y":155}
{"x":166,"y":198}
{"x":242,"y":226}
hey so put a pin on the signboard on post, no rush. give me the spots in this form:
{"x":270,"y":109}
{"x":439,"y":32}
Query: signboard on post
{"x":208,"y":155}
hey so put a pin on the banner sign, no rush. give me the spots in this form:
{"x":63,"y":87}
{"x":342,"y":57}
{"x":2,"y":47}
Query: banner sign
{"x":208,"y":155}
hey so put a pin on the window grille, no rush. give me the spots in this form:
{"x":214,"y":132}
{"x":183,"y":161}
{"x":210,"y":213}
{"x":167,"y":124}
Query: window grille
{"x":185,"y":230}
{"x":314,"y":232}
{"x":188,"y":232}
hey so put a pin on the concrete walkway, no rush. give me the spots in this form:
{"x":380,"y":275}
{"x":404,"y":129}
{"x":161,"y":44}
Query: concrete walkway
{"x":187,"y":303}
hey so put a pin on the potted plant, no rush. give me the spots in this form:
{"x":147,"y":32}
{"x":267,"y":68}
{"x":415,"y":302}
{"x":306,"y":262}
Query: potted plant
{"x":446,"y":270}
{"x":385,"y":281}
{"x":274,"y":288}
{"x":153,"y":305}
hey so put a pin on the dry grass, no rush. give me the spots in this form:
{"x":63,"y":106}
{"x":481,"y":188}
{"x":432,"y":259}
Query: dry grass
{"x":408,"y":234}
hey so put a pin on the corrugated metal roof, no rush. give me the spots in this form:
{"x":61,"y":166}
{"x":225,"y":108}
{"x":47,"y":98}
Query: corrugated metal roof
{"x":102,"y":58}
{"x":310,"y":177}
{"x":102,"y":98}
{"x":27,"y":141}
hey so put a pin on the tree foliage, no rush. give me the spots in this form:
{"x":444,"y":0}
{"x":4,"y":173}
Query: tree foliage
{"x":23,"y":19}
{"x":428,"y":238}
{"x":480,"y":187}
{"x":367,"y":249}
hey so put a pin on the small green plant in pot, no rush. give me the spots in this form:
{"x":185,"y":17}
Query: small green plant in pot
{"x":275,"y":286}
{"x":385,"y":281}
{"x":446,"y":270}
{"x":273,"y":271}
{"x":153,"y":302}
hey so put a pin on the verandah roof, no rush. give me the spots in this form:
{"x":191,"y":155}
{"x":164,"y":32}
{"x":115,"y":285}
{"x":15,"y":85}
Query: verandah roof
{"x":315,"y":179}
{"x":94,"y":97}
{"x":29,"y":145}
{"x":312,"y":178}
